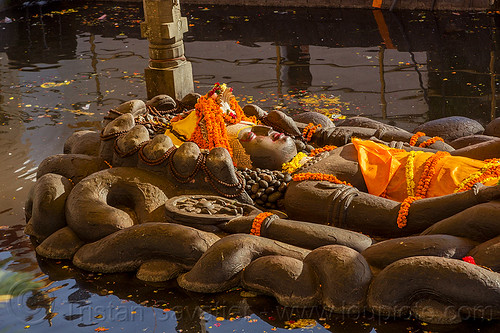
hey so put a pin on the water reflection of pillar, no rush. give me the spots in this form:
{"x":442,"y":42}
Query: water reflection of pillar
{"x":278,"y":74}
{"x":493,"y":71}
{"x":298,"y":75}
{"x":168,"y":71}
{"x":493,"y":85}
{"x":94,"y":68}
{"x":42,"y":26}
{"x":383,"y":102}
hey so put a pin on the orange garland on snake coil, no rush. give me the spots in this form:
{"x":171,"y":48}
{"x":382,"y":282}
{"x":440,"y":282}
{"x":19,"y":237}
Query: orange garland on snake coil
{"x":404,"y":210}
{"x":427,"y":143}
{"x":430,"y":141}
{"x":309,"y":131}
{"x":257,"y":223}
{"x":317,"y":151}
{"x":415,"y":137}
{"x":318,"y":176}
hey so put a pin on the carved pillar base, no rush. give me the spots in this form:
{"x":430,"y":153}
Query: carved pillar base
{"x":168,"y":71}
{"x":176,"y":81}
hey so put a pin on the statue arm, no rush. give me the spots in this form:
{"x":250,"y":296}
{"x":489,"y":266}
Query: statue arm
{"x":339,"y":136}
{"x":374,"y":215}
{"x":326,"y":203}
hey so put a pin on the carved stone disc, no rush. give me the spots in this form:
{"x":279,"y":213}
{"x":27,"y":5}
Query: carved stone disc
{"x":205,"y":209}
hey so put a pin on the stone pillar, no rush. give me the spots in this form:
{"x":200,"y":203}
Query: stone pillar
{"x":168,"y":71}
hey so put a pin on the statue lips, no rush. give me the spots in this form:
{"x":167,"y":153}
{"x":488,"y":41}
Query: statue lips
{"x":277,"y":136}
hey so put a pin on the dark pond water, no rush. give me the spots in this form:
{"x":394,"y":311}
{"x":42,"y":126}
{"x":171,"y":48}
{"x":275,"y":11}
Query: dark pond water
{"x":64,"y":64}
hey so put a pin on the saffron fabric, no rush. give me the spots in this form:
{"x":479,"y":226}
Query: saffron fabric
{"x":377,"y":163}
{"x":184,"y":127}
{"x":383,"y":169}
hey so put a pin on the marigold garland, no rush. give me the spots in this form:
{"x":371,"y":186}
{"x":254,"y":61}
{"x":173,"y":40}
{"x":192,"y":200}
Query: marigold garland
{"x":427,"y":143}
{"x":429,"y":171}
{"x":309,"y":131}
{"x":410,"y":172}
{"x":404,"y":209}
{"x":257,"y":223}
{"x":415,"y":137}
{"x":306,"y":129}
{"x":317,"y":151}
{"x":489,"y":171}
{"x":430,"y":141}
{"x":485,"y":180}
{"x":294,"y":164}
{"x":318,"y":176}
{"x":208,"y":110}
{"x":240,"y":115}
{"x":422,"y":188}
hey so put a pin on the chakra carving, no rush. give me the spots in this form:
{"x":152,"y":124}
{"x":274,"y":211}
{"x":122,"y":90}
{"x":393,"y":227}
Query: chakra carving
{"x":203,"y":209}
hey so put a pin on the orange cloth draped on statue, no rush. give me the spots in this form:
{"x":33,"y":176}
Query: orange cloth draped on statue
{"x":384,"y":169}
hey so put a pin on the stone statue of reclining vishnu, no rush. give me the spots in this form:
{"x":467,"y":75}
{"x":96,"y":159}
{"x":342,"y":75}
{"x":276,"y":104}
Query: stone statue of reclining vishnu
{"x":377,"y":225}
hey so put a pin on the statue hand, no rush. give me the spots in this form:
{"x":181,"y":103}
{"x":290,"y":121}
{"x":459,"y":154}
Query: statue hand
{"x":486,"y":193}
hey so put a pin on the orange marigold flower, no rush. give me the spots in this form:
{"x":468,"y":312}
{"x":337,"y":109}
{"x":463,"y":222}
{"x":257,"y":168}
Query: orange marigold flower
{"x":257,"y":223}
{"x":318,"y":176}
{"x":415,"y":137}
{"x":404,"y":209}
{"x":429,"y":142}
{"x":317,"y":151}
{"x":309,"y":131}
{"x":429,"y":172}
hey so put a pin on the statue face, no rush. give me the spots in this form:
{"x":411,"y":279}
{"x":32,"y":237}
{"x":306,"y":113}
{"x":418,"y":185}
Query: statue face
{"x":267,"y":148}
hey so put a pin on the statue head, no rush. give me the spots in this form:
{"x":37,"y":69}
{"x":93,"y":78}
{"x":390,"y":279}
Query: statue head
{"x":218,"y":121}
{"x":267,"y":148}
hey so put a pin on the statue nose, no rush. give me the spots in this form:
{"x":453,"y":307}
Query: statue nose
{"x":262,"y":130}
